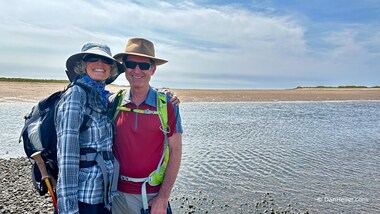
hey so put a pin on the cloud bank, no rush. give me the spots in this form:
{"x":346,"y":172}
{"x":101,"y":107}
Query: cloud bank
{"x":240,"y":45}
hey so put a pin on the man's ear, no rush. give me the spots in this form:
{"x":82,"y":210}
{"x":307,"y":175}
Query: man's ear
{"x":153,"y":70}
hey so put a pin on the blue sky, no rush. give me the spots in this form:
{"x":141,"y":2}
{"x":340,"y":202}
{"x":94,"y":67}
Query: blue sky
{"x":258,"y":44}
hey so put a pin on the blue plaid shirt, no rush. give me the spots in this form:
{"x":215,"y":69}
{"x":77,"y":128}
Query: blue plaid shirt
{"x":74,"y":183}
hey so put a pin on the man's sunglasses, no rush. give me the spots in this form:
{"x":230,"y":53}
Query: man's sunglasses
{"x":95,"y":58}
{"x":142,"y":65}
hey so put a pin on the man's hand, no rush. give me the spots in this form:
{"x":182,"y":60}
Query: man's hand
{"x":158,"y":205}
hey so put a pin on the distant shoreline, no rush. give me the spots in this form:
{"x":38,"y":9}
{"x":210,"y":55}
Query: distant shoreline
{"x":25,"y":91}
{"x":8,"y":79}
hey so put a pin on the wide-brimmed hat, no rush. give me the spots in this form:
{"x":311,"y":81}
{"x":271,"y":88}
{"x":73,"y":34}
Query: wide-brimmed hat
{"x":96,"y":49}
{"x":140,"y":47}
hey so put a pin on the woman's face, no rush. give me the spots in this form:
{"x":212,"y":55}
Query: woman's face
{"x":98,"y":68}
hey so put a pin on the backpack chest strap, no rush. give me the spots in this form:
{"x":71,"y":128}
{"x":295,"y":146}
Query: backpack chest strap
{"x":141,"y":111}
{"x":90,"y":157}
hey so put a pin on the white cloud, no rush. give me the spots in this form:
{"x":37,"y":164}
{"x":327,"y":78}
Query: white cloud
{"x":208,"y":46}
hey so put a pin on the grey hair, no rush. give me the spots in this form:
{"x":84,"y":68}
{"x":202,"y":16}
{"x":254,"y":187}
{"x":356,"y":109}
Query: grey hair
{"x":80,"y":68}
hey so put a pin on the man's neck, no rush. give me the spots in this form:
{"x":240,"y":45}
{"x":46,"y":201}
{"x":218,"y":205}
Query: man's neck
{"x":139,"y":95}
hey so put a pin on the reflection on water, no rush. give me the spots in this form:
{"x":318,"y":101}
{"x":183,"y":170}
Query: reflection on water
{"x":303,"y":152}
{"x":318,"y":156}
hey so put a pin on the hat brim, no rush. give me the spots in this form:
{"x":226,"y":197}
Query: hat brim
{"x":158,"y":61}
{"x":72,"y":60}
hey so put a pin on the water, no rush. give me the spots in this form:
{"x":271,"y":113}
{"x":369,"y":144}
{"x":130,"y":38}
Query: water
{"x":321,"y":157}
{"x":11,"y":123}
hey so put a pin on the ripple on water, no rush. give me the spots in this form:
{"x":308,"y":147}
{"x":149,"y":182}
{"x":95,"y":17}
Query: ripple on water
{"x":297,"y":151}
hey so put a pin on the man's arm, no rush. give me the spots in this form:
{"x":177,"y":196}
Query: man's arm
{"x":160,"y":202}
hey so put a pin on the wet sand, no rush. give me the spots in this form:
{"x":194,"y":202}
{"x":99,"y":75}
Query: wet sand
{"x":32,"y":92}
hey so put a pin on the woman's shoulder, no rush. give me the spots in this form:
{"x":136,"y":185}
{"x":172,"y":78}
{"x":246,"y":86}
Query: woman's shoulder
{"x":76,"y":88}
{"x":75,"y":93}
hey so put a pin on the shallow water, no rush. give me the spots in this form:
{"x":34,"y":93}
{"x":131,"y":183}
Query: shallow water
{"x":11,"y":123}
{"x":317,"y":156}
{"x":321,"y":157}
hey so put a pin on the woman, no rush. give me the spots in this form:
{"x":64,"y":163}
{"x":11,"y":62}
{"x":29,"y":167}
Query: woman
{"x":84,"y":132}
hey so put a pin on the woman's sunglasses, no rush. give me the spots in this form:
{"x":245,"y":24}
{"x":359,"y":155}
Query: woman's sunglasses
{"x":95,"y":58}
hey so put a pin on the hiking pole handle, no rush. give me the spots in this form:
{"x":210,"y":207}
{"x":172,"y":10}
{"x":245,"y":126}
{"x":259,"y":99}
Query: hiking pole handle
{"x":40,"y":163}
{"x":45,"y":176}
{"x":41,"y":166}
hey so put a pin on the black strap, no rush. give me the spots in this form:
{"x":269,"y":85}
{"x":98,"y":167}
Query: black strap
{"x":114,"y":102}
{"x":92,"y":157}
{"x":89,"y":109}
{"x":85,"y":164}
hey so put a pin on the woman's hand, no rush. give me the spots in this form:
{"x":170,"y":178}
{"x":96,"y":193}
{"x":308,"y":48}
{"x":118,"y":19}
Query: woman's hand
{"x":173,"y":98}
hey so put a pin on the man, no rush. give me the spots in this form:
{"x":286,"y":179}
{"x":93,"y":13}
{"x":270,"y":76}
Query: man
{"x":142,"y":138}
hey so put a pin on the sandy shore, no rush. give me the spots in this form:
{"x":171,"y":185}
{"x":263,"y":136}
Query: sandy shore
{"x":32,"y":92}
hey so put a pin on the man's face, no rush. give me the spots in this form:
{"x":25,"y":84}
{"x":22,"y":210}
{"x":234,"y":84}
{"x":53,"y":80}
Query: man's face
{"x":138,"y":75}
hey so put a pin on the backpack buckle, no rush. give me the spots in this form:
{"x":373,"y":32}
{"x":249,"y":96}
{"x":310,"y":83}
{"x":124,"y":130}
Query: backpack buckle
{"x":148,"y":111}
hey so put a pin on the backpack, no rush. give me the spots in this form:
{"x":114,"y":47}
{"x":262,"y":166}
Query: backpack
{"x":39,"y":135}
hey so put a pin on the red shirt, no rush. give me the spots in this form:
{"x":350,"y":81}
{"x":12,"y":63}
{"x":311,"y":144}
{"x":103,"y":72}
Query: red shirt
{"x":139,"y":142}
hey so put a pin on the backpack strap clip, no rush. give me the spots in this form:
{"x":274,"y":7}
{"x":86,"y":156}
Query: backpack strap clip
{"x":90,"y":157}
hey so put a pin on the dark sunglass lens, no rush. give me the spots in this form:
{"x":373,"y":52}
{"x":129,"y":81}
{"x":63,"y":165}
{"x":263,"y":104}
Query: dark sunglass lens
{"x":91,"y":58}
{"x":106,"y":60}
{"x":94,"y":58}
{"x":144,"y":65}
{"x":131,"y":64}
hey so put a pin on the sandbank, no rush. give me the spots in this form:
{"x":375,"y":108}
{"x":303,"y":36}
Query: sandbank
{"x":34,"y":91}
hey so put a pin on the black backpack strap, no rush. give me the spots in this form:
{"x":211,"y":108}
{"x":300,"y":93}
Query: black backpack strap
{"x":114,"y":102}
{"x":35,"y":181}
{"x":27,"y":123}
{"x":86,"y":118}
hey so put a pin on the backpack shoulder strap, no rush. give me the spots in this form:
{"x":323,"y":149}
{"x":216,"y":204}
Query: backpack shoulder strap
{"x":162,"y":108}
{"x":116,"y":103}
{"x":86,"y":119}
{"x":86,"y":88}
